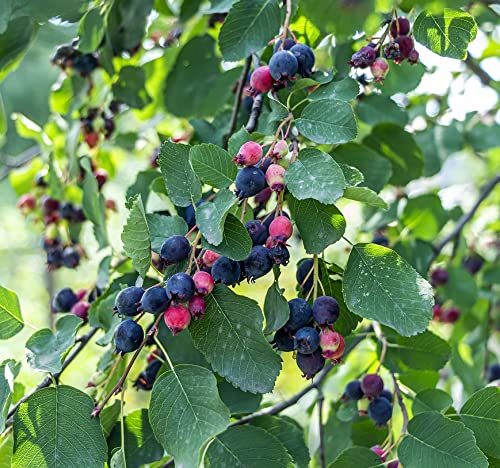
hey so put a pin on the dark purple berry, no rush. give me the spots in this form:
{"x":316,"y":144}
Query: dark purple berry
{"x":380,"y":411}
{"x":413,"y":57}
{"x":155,"y":300}
{"x":226,"y":271}
{"x":128,"y":336}
{"x":283,"y":340}
{"x":363,"y":58}
{"x":473,"y":263}
{"x":258,"y":232}
{"x":391,"y":51}
{"x":289,"y":43}
{"x":249,"y":182}
{"x":306,"y":340}
{"x":353,"y":390}
{"x":258,"y":263}
{"x":147,"y":377}
{"x":54,"y":258}
{"x":305,"y":58}
{"x":67,"y":211}
{"x":372,"y":385}
{"x":400,"y":27}
{"x":283,"y":65}
{"x":70,"y":257}
{"x":175,"y":249}
{"x":300,"y":314}
{"x":128,"y":301}
{"x":493,"y":372}
{"x":326,"y":310}
{"x":405,"y":44}
{"x":279,"y":254}
{"x":64,"y":300}
{"x":180,"y":287}
{"x":310,"y":364}
{"x":439,"y":277}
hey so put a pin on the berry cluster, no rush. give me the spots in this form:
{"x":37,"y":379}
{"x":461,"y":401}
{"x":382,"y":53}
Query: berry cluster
{"x":96,"y":122}
{"x":76,"y":303}
{"x":67,"y":57}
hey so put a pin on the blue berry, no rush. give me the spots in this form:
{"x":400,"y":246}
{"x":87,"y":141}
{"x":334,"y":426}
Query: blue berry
{"x":325,"y":310}
{"x":249,"y":182}
{"x":147,"y":377}
{"x":175,"y":249}
{"x":353,"y":390}
{"x":67,"y":211}
{"x":386,"y":394}
{"x":128,"y":336}
{"x":310,"y":364}
{"x":283,"y":65}
{"x":289,"y":43}
{"x":279,"y":254}
{"x":257,"y":231}
{"x":473,"y":263}
{"x":306,"y":340}
{"x":180,"y":287}
{"x":305,"y":270}
{"x":226,"y":271}
{"x":300,"y":314}
{"x":155,"y":300}
{"x":380,"y":411}
{"x":128,"y":301}
{"x":70,"y":257}
{"x":380,"y":240}
{"x":85,"y":64}
{"x":258,"y":263}
{"x":305,"y":58}
{"x":493,"y":372}
{"x":64,"y":300}
{"x":283,"y":340}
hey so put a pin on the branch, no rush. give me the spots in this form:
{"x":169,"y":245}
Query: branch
{"x":255,"y":113}
{"x":13,"y":162}
{"x":321,"y":400}
{"x":475,"y":68}
{"x":404,"y":411}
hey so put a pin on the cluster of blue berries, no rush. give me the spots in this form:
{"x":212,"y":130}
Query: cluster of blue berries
{"x":77,"y":303}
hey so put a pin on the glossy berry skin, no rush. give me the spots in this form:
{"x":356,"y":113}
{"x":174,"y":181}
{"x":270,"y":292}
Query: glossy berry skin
{"x":196,"y":307}
{"x":380,"y":240}
{"x":372,"y":385}
{"x":177,"y":318}
{"x":249,"y":154}
{"x":226,"y":271}
{"x":399,"y":27}
{"x":128,"y":336}
{"x":305,"y":58}
{"x":332,"y":344}
{"x":64,"y":300}
{"x":175,"y":249}
{"x":304,"y":271}
{"x":473,"y":263}
{"x":128,"y":301}
{"x":386,"y":394}
{"x":393,"y":464}
{"x":155,"y":300}
{"x":66,"y":211}
{"x":363,"y":58}
{"x":283,"y":340}
{"x":493,"y":372}
{"x":257,"y":231}
{"x":180,"y":287}
{"x":300,"y":314}
{"x":283,"y":65}
{"x":148,"y":376}
{"x":289,"y":43}
{"x":203,"y":283}
{"x":81,"y":309}
{"x":209,"y":258}
{"x":261,"y":80}
{"x":269,"y":218}
{"x":405,"y":44}
{"x":70,"y":257}
{"x":379,"y":451}
{"x":379,"y":69}
{"x":258,"y":263}
{"x":281,"y":228}
{"x":439,"y":277}
{"x":326,"y":310}
{"x":306,"y":340}
{"x":353,"y":390}
{"x":280,"y":149}
{"x":275,"y":177}
{"x":249,"y":182}
{"x":310,"y":364}
{"x":279,"y":254}
{"x":380,"y":411}
{"x":413,"y":57}
{"x":450,"y":315}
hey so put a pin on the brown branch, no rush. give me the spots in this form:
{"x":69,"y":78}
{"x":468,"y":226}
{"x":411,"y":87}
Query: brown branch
{"x":404,"y":411}
{"x":255,"y":113}
{"x":475,"y":68}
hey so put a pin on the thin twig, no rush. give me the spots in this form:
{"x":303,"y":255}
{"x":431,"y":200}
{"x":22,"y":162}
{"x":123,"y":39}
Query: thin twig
{"x":286,"y":24}
{"x":193,"y":251}
{"x":295,"y":149}
{"x":488,"y":327}
{"x":14,"y":162}
{"x":475,"y":68}
{"x":404,"y":412}
{"x":321,"y":400}
{"x":255,"y":113}
{"x":316,"y":276}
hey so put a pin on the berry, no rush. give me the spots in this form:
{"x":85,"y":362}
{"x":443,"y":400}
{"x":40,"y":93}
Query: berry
{"x":493,"y":372}
{"x":473,"y":263}
{"x":67,"y":211}
{"x":300,"y":314}
{"x":128,"y":301}
{"x":332,"y":344}
{"x":310,"y":364}
{"x":279,"y":254}
{"x":203,"y":283}
{"x":257,"y":231}
{"x":81,"y":293}
{"x":175,"y":249}
{"x":393,"y":464}
{"x":363,"y":58}
{"x":391,"y":51}
{"x":281,"y":229}
{"x":148,"y":376}
{"x":280,"y":149}
{"x":289,"y":43}
{"x":437,"y":312}
{"x":64,"y":300}
{"x":268,"y":219}
{"x":380,"y":411}
{"x":304,"y":271}
{"x":306,"y":340}
{"x":41,"y":179}
{"x":405,"y":44}
{"x":177,"y":318}
{"x":283,"y":65}
{"x":400,"y":27}
{"x":261,"y":80}
{"x":450,"y":315}
{"x":81,"y":309}
{"x":180,"y":287}
{"x":413,"y":57}
{"x":70,"y":257}
{"x":249,"y":182}
{"x":275,"y":177}
{"x":209,"y":258}
{"x":283,"y":340}
{"x":439,"y":277}
{"x":26,"y":202}
{"x":54,"y":258}
{"x":247,"y":104}
{"x":305,"y":58}
{"x":226,"y":271}
{"x":155,"y":300}
{"x":386,"y":394}
{"x":258,"y":263}
{"x":128,"y":336}
{"x":49,"y":205}
{"x":379,"y":69}
{"x":101,"y":176}
{"x":85,"y":64}
{"x":197,"y":307}
{"x":263,"y":196}
{"x":379,"y":451}
{"x":326,"y":310}
{"x":249,"y":154}
{"x":380,"y":240}
{"x":353,"y":390}
{"x":372,"y":385}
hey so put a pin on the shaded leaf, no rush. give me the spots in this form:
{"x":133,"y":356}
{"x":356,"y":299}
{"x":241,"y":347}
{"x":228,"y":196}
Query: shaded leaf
{"x":11,"y":319}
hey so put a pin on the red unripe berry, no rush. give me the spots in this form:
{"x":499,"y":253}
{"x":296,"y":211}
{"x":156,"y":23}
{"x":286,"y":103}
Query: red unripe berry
{"x":400,"y":27}
{"x":413,"y":57}
{"x":331,"y":343}
{"x":203,"y":283}
{"x":249,"y":154}
{"x":209,"y":258}
{"x":101,"y":176}
{"x":439,"y":277}
{"x":261,"y":80}
{"x":26,"y":202}
{"x":275,"y":177}
{"x":111,"y":204}
{"x":372,"y":385}
{"x":197,"y":307}
{"x":379,"y":451}
{"x":450,"y":315}
{"x":81,"y":309}
{"x":91,"y":139}
{"x":281,"y":229}
{"x":379,"y":69}
{"x":280,"y":149}
{"x":80,"y":294}
{"x":437,"y":312}
{"x":263,"y":196}
{"x":177,"y":318}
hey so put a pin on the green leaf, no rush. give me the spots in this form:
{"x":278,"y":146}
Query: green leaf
{"x":183,"y":187}
{"x":11,"y":320}
{"x":109,"y":416}
{"x":91,"y":31}
{"x":402,"y":78}
{"x":136,"y":238}
{"x":211,"y":216}
{"x":352,"y":175}
{"x":343,"y":90}
{"x":142,"y":185}
{"x":447,"y":34}
{"x":431,"y":399}
{"x":230,"y":337}
{"x":249,"y":447}
{"x":185,"y":411}
{"x":434,"y":440}
{"x":248,"y":28}
{"x":213,"y":165}
{"x":416,"y":252}
{"x":365,"y":195}
{"x":337,"y":436}
{"x":357,"y":457}
{"x":328,"y":226}
{"x":162,"y":227}
{"x":6,"y":449}
{"x":419,"y":380}
{"x":328,"y":121}
{"x":102,"y":315}
{"x":53,"y":428}
{"x":3,"y":121}
{"x":236,"y":243}
{"x":424,"y":216}
{"x":141,"y":447}
{"x":276,"y":310}
{"x":481,"y":414}
{"x":375,"y":109}
{"x":237,"y":401}
{"x":392,"y":142}
{"x":461,"y":287}
{"x":380,"y":285}
{"x":315,"y":175}
{"x":130,"y":88}
{"x":9,"y":370}
{"x":46,"y":350}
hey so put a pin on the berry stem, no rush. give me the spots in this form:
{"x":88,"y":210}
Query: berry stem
{"x":122,"y":428}
{"x":286,"y":24}
{"x":316,"y":276}
{"x":243,"y":209}
{"x":295,"y":150}
{"x":277,"y":134}
{"x":192,"y":229}
{"x":381,"y":337}
{"x":321,"y":429}
{"x":193,"y":251}
{"x":164,"y":351}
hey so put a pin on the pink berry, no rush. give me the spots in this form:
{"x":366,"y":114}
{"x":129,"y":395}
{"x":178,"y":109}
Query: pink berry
{"x":261,"y":80}
{"x":379,"y":69}
{"x":379,"y":451}
{"x":209,"y":258}
{"x":203,"y":283}
{"x":450,"y":315}
{"x":177,"y":318}
{"x":413,"y":57}
{"x":197,"y":307}
{"x":275,"y":177}
{"x":27,"y":202}
{"x":281,"y":229}
{"x":280,"y":149}
{"x":332,"y":344}
{"x":81,"y":309}
{"x":101,"y":176}
{"x":437,"y":312}
{"x":80,"y":294}
{"x":249,"y":154}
